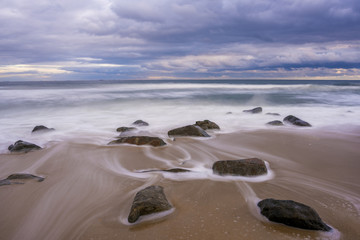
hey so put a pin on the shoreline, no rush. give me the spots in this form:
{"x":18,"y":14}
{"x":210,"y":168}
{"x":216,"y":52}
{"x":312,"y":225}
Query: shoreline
{"x":87,"y":187}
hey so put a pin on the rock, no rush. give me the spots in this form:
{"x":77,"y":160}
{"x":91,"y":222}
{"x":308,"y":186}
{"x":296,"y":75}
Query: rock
{"x":296,"y":121}
{"x":172,"y":170}
{"x":125,"y":129}
{"x":140,"y":123}
{"x":140,"y":140}
{"x":228,"y":113}
{"x":243,"y":167}
{"x":22,"y":146}
{"x":206,"y":124}
{"x":292,"y":213}
{"x":273,"y":114}
{"x":19,"y":176}
{"x":190,"y":130}
{"x":42,"y":128}
{"x":254,"y":110}
{"x":147,"y":201}
{"x":275,"y":123}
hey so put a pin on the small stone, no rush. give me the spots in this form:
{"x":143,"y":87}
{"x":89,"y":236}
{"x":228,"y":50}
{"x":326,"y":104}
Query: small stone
{"x":140,"y":140}
{"x":296,"y":121}
{"x":190,"y":130}
{"x":125,"y":129}
{"x":147,"y":201}
{"x":206,"y":124}
{"x":42,"y":128}
{"x":254,"y":110}
{"x":275,"y":123}
{"x":140,"y":123}
{"x":273,"y":114}
{"x":22,"y":146}
{"x":172,"y":170}
{"x":243,"y":167}
{"x":19,"y":176}
{"x":292,"y":213}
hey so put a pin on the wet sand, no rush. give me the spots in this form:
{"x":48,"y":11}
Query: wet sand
{"x":88,"y":190}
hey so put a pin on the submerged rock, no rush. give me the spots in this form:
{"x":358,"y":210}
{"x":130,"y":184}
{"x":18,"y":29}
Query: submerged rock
{"x":172,"y":170}
{"x":254,"y":110}
{"x":19,"y":176}
{"x":22,"y":146}
{"x":42,"y":128}
{"x":292,"y":213}
{"x":147,"y":201}
{"x":243,"y":167}
{"x":273,"y":114}
{"x":296,"y":121}
{"x":140,"y":140}
{"x":275,"y":123}
{"x":125,"y":129}
{"x":206,"y":124}
{"x":140,"y":123}
{"x":190,"y":130}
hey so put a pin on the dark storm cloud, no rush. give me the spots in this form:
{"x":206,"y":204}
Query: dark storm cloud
{"x":163,"y":38}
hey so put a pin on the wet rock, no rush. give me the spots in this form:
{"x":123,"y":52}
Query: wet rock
{"x":206,"y":124}
{"x":292,"y":213}
{"x":273,"y":114}
{"x":125,"y":129}
{"x":140,"y":140}
{"x":190,"y":130}
{"x":254,"y":110}
{"x":275,"y":123}
{"x":140,"y":123}
{"x":42,"y":128}
{"x":22,"y":146}
{"x":243,"y":167}
{"x":296,"y":121}
{"x":228,"y":113}
{"x":19,"y":176}
{"x":147,"y":201}
{"x":172,"y":170}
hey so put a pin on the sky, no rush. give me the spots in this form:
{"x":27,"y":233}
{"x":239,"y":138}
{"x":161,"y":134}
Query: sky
{"x":179,"y":39}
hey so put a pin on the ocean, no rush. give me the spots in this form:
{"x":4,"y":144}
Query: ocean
{"x":90,"y":111}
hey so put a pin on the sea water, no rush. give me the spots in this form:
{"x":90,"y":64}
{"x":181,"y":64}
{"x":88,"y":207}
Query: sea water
{"x":90,"y":111}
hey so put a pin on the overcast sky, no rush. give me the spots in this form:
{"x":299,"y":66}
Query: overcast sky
{"x":182,"y":39}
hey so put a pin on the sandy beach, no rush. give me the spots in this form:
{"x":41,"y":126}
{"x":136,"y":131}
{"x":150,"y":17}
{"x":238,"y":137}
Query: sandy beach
{"x":88,"y":189}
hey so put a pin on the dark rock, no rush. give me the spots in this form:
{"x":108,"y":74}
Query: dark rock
{"x":275,"y":123}
{"x":254,"y":110}
{"x":243,"y":167}
{"x":140,"y":123}
{"x":140,"y":140}
{"x":206,"y":124}
{"x":125,"y":129}
{"x":296,"y":121}
{"x":147,"y":201}
{"x":172,"y":170}
{"x":42,"y":128}
{"x":190,"y":130}
{"x":228,"y":113}
{"x":22,"y":146}
{"x":19,"y":176}
{"x":292,"y":214}
{"x":273,"y":114}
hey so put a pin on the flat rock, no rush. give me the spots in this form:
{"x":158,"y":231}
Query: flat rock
{"x":296,"y":121}
{"x":147,"y":201}
{"x":206,"y":124}
{"x":22,"y":146}
{"x":190,"y":130}
{"x":273,"y":114}
{"x":243,"y":167}
{"x":292,"y":213}
{"x":42,"y":128}
{"x":19,"y":176}
{"x":254,"y":110}
{"x":172,"y":170}
{"x":275,"y":123}
{"x":125,"y":129}
{"x":140,"y":140}
{"x":140,"y":123}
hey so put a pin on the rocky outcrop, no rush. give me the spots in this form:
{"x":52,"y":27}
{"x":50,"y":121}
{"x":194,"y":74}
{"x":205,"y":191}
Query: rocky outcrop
{"x":254,"y":110}
{"x":292,"y":213}
{"x":22,"y":146}
{"x":42,"y":129}
{"x":147,"y":201}
{"x":125,"y":129}
{"x":140,"y":140}
{"x":206,"y":124}
{"x":296,"y":121}
{"x":19,"y":176}
{"x":140,"y":123}
{"x":190,"y":130}
{"x":243,"y":167}
{"x":275,"y":123}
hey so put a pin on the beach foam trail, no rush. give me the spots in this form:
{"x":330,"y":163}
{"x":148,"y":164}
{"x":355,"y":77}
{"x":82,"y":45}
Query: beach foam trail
{"x":89,"y":188}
